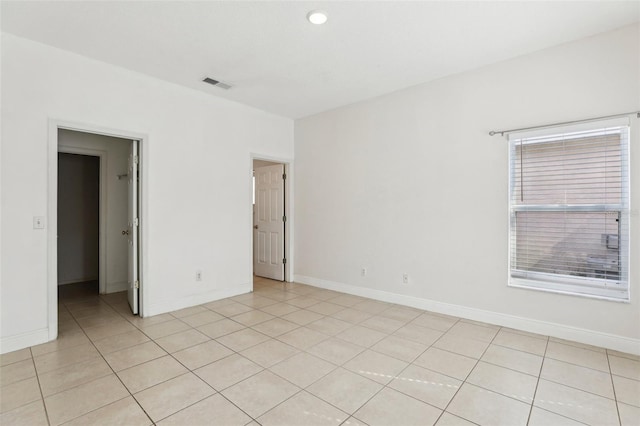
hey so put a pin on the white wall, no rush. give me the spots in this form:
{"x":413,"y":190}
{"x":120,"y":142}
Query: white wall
{"x":195,"y":164}
{"x":116,"y":154}
{"x":78,"y":218}
{"x":412,"y":182}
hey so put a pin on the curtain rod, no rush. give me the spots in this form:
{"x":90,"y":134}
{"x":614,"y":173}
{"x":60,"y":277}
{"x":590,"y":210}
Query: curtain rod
{"x":502,"y":132}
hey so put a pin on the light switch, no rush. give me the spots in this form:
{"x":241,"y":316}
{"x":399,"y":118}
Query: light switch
{"x":38,"y":222}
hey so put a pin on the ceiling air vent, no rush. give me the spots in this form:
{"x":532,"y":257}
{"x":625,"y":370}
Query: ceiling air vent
{"x":217,"y":83}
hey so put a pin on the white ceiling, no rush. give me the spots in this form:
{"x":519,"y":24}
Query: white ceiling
{"x":278,"y":62}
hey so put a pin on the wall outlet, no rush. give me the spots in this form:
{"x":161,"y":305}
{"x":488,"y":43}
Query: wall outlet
{"x":198,"y":275}
{"x":405,"y":278}
{"x":363,"y":272}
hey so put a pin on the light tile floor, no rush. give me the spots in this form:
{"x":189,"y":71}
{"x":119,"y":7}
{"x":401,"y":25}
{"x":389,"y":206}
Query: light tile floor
{"x":291,"y":354}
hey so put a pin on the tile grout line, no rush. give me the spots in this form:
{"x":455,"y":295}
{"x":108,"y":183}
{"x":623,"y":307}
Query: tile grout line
{"x":38,"y":375}
{"x":167,"y":354}
{"x":46,"y":412}
{"x":613,"y":386}
{"x":535,"y":391}
{"x":387,"y":334}
{"x":215,"y":361}
{"x":300,"y":388}
{"x":467,"y":376}
{"x":551,"y":357}
{"x":196,"y":375}
{"x":408,"y":365}
{"x":73,"y":387}
{"x":150,"y":340}
{"x":112,"y":370}
{"x":579,"y":389}
{"x":284,"y":378}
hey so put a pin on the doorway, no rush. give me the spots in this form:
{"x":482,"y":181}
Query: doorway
{"x":94,"y":216}
{"x":269,"y":219}
{"x":78,"y":223}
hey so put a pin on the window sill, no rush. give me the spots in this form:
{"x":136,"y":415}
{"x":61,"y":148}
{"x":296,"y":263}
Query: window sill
{"x":608,"y":294}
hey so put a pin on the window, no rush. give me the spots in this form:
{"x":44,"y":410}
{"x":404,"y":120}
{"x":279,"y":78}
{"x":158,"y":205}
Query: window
{"x":569,"y":209}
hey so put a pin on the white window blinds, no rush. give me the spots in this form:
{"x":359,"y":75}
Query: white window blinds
{"x":569,"y":227}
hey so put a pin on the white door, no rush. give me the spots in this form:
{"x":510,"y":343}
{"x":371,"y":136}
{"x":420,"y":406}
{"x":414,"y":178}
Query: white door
{"x":268,"y":256}
{"x":132,"y":228}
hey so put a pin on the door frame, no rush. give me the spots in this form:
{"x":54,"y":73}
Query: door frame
{"x":102,"y":236}
{"x":288,"y":211}
{"x":52,"y":211}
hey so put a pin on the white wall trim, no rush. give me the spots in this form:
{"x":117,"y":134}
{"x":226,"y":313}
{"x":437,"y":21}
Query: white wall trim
{"x":102,"y":238}
{"x":590,"y":337}
{"x":170,"y":305}
{"x":77,"y":280}
{"x":288,"y":211}
{"x":24,"y":340}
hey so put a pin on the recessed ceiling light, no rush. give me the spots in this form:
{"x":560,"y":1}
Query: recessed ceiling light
{"x":317,"y":17}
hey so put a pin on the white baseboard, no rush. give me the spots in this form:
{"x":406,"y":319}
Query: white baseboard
{"x":194,"y":300}
{"x":117,"y":286}
{"x":24,"y":340}
{"x":77,"y":280}
{"x":589,"y":337}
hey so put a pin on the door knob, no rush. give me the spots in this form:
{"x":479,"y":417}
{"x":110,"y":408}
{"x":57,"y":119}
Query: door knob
{"x":255,"y":226}
{"x":125,"y":232}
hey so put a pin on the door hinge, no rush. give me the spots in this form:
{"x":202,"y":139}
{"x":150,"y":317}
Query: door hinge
{"x":136,"y":159}
{"x":284,"y":176}
{"x":136,"y":284}
{"x":284,"y":261}
{"x":136,"y":222}
{"x":284,"y":218}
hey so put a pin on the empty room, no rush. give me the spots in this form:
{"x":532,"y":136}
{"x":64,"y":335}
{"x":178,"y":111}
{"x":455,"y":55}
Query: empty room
{"x":292,"y":213}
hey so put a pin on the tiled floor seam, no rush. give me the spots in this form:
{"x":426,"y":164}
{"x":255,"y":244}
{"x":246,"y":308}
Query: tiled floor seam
{"x":580,"y":389}
{"x":125,"y":386}
{"x":48,"y":396}
{"x":302,"y":388}
{"x":194,"y":373}
{"x":505,"y":395}
{"x":282,"y":402}
{"x":579,"y":365}
{"x":99,"y":408}
{"x":391,"y":356}
{"x":535,"y":391}
{"x":233,"y":384}
{"x":46,"y":412}
{"x":411,"y":396}
{"x":103,"y":358}
{"x":509,"y":368}
{"x":183,"y":408}
{"x":466,"y":377}
{"x":400,"y":373}
{"x":306,"y":387}
{"x":613,"y":386}
{"x":577,"y":345}
{"x":560,"y":415}
{"x":114,"y":373}
{"x":167,"y":354}
{"x":219,"y":392}
{"x":516,"y":349}
{"x":72,"y":387}
{"x":120,"y":312}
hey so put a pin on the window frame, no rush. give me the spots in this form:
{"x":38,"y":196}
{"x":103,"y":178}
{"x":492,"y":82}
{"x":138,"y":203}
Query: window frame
{"x":590,"y":287}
